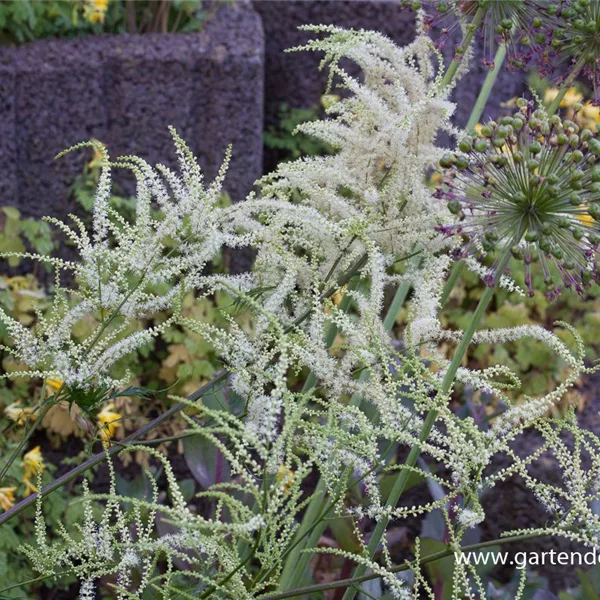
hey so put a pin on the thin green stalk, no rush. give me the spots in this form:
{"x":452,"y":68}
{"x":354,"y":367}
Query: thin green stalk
{"x":471,"y":29}
{"x":297,"y":562}
{"x":486,"y":89}
{"x":565,"y":86}
{"x":411,"y":460}
{"x":455,"y":273}
{"x":46,"y":406}
{"x":353,"y":581}
{"x":558,"y":99}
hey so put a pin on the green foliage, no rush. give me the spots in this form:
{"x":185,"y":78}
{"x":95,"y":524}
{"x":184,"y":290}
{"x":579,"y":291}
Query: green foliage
{"x":538,"y":368}
{"x":28,"y":20}
{"x":290,"y":144}
{"x":16,"y":233}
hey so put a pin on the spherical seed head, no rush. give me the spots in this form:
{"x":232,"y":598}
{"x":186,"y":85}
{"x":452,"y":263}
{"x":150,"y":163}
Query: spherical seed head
{"x":523,"y":25}
{"x":575,"y":39}
{"x":528,"y":189}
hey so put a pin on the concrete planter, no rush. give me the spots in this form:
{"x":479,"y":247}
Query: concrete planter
{"x":125,"y":90}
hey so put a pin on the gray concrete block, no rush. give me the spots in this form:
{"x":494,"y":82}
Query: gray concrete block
{"x":125,"y":90}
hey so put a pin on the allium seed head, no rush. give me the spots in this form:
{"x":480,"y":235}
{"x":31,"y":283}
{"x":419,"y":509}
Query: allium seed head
{"x":521,"y":24}
{"x":528,"y":187}
{"x":575,"y":40}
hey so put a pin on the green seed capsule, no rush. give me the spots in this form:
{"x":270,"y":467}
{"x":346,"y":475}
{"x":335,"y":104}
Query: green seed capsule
{"x":533,"y":164}
{"x":461,"y":162}
{"x":466,"y":144}
{"x":535,"y":147}
{"x":447,"y":161}
{"x":517,"y":252}
{"x":576,"y":156}
{"x":557,"y":253}
{"x":578,"y":233}
{"x":532,"y":236}
{"x":488,"y":246}
{"x":586,"y":135}
{"x":454,"y":206}
{"x":518,"y":123}
{"x":594,"y":146}
{"x":481,"y":145}
{"x":487,"y":131}
{"x":562,"y":139}
{"x":575,"y":199}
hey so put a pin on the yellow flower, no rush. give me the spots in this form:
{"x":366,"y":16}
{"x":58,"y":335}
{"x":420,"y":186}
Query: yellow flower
{"x":7,"y":497}
{"x":571,"y":98}
{"x":285,"y":476}
{"x":585,"y":218}
{"x":17,"y":283}
{"x":338,"y":296}
{"x":53,"y":385}
{"x":95,"y":10}
{"x":108,"y":420}
{"x":98,"y":156}
{"x":17,"y":413}
{"x":33,"y":463}
{"x":328,"y":100}
{"x":591,"y":112}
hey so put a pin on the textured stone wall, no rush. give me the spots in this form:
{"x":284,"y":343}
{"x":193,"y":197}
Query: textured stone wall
{"x":125,"y":90}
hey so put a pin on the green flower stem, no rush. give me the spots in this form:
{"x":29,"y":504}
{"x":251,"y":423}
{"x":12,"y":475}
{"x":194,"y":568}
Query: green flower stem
{"x":486,"y":89}
{"x":466,"y":43}
{"x":297,"y":562}
{"x":564,"y":88}
{"x":411,"y":460}
{"x":455,"y":273}
{"x":558,"y":99}
{"x":353,"y":581}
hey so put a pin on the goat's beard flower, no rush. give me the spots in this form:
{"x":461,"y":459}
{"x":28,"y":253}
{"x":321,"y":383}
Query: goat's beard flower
{"x":528,"y":187}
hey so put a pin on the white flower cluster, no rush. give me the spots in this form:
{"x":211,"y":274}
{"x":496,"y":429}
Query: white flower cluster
{"x":321,"y":227}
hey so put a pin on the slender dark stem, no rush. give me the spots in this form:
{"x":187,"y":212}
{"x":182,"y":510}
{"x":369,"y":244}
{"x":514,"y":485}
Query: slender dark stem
{"x":43,"y":411}
{"x":100,"y":456}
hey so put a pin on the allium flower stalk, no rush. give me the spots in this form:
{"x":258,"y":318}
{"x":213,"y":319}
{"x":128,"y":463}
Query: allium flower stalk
{"x":520,"y":24}
{"x":528,"y":187}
